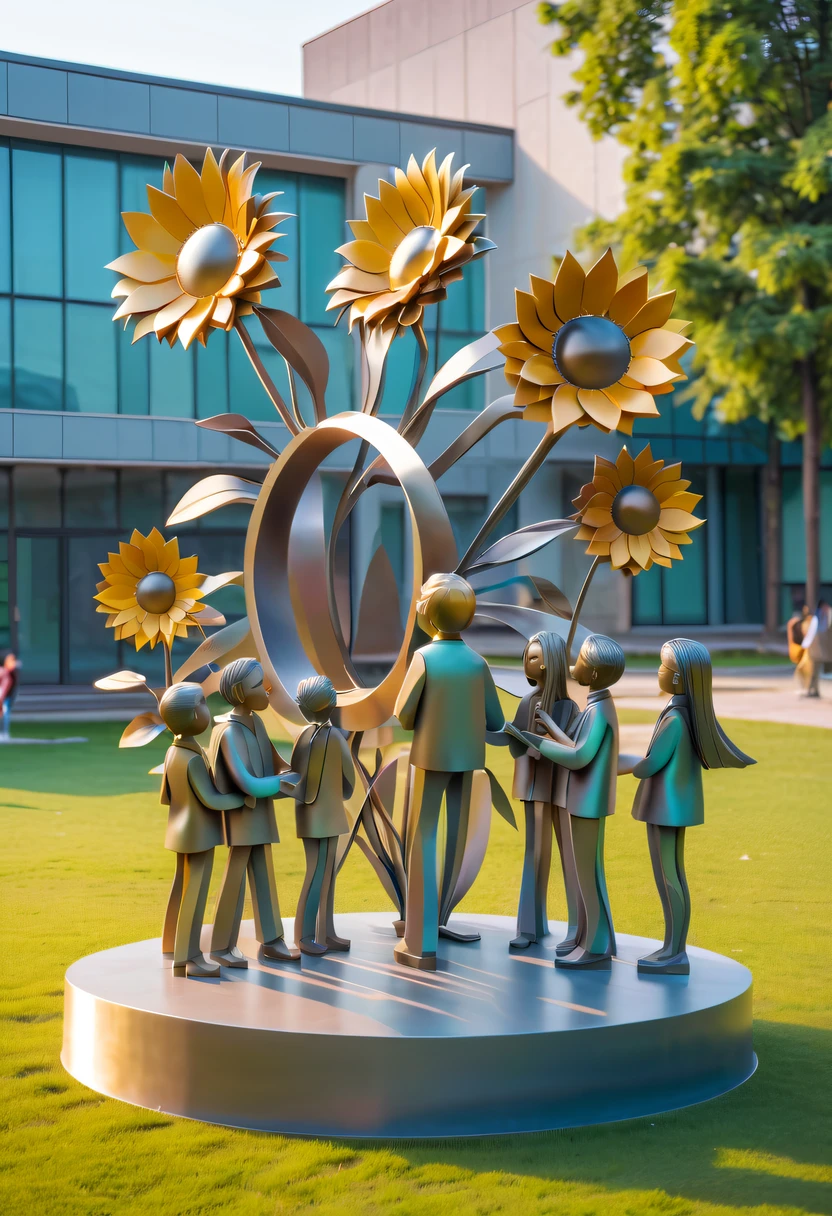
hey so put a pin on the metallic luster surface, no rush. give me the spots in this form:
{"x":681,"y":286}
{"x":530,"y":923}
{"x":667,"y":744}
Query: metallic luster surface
{"x":156,"y":592}
{"x":591,"y":352}
{"x":352,"y":1045}
{"x":414,"y":255}
{"x":207,"y":260}
{"x":636,"y":510}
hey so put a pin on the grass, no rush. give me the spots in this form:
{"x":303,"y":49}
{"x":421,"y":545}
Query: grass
{"x":82,"y":868}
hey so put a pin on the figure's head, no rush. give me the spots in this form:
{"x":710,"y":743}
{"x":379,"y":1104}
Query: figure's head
{"x":184,"y":711}
{"x":671,"y":679}
{"x":600,"y":663}
{"x":10,"y":661}
{"x":686,"y":669}
{"x":446,"y":605}
{"x":317,"y":698}
{"x":242,"y":685}
{"x":544,"y":664}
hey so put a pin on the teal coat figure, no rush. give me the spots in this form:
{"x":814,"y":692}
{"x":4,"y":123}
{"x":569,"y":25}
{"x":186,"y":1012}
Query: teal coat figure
{"x":686,"y":739}
{"x":449,"y":701}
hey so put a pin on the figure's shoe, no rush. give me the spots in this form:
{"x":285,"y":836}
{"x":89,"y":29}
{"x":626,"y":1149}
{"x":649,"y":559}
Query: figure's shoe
{"x":232,"y":957}
{"x":455,"y":936}
{"x":308,"y":945}
{"x":584,"y":960}
{"x":279,"y":951}
{"x":521,"y":942}
{"x":398,"y":925}
{"x":197,"y":968}
{"x":654,"y":964}
{"x":420,"y":962}
{"x":338,"y":943}
{"x":566,"y":947}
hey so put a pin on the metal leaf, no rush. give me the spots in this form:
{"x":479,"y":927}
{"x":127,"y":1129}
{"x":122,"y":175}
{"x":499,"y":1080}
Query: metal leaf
{"x":142,"y":730}
{"x":512,"y":680}
{"x":302,"y":349}
{"x":232,"y":642}
{"x":476,"y":843}
{"x":215,"y":582}
{"x":528,"y":621}
{"x":208,"y":616}
{"x":473,"y":360}
{"x":237,"y":426}
{"x":517,"y":545}
{"x":122,"y":681}
{"x":157,"y":771}
{"x":221,"y":490}
{"x":552,"y":596}
{"x":500,"y":800}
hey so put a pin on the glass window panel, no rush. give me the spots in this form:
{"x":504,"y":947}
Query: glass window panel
{"x":466,"y":513}
{"x":464,"y":309}
{"x":684,"y":595}
{"x":340,"y":347}
{"x":212,"y":375}
{"x":285,"y":296}
{"x":171,"y":380}
{"x":322,"y":230}
{"x":142,"y":504}
{"x":647,"y":597}
{"x":90,"y":498}
{"x":471,"y":394}
{"x":5,"y":221}
{"x":37,"y":226}
{"x":402,"y":361}
{"x":5,"y":489}
{"x":91,"y":375}
{"x":38,"y":355}
{"x":794,"y":540}
{"x":37,"y":496}
{"x":743,"y":582}
{"x":5,"y":623}
{"x":91,"y":223}
{"x":133,"y":372}
{"x":92,"y":653}
{"x":137,"y":172}
{"x":219,"y":554}
{"x":39,"y":605}
{"x":392,"y":538}
{"x":5,"y":354}
{"x":826,"y":525}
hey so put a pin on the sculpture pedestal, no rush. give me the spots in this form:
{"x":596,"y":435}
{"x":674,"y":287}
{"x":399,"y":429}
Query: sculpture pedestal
{"x":355,"y":1045}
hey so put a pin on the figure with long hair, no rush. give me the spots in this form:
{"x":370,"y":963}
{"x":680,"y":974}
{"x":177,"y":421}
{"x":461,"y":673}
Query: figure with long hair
{"x":541,"y":786}
{"x":687,"y":738}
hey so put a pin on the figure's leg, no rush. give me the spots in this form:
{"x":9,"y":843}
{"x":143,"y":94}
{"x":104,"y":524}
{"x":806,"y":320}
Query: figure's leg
{"x":6,"y":719}
{"x":575,"y":910}
{"x":594,"y":947}
{"x":309,"y":902}
{"x":667,"y":847}
{"x":458,"y":804}
{"x":326,"y":918}
{"x":525,"y":908}
{"x":172,"y":910}
{"x":601,"y":884}
{"x":543,"y":866}
{"x":229,"y":910}
{"x":188,"y":959}
{"x":268,"y":926}
{"x":421,"y":931}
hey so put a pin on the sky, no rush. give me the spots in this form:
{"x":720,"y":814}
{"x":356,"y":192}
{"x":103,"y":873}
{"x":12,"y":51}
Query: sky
{"x":226,"y":42}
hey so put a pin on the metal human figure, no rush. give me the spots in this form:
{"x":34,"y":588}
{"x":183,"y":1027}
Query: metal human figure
{"x":541,"y":786}
{"x":194,"y":826}
{"x":244,"y":759}
{"x":591,"y":756}
{"x":449,"y":701}
{"x":686,"y":738}
{"x":326,"y":777}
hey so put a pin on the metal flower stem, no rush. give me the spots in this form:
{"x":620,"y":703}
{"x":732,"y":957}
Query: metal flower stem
{"x":579,"y":603}
{"x":168,"y":664}
{"x":265,"y":379}
{"x":416,"y":390}
{"x":509,"y":498}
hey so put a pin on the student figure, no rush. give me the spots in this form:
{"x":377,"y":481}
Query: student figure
{"x":194,"y":826}
{"x":326,"y":777}
{"x":449,"y":701}
{"x":244,"y":759}
{"x":541,"y":786}
{"x":816,"y":648}
{"x":591,"y":756}
{"x":686,"y":739}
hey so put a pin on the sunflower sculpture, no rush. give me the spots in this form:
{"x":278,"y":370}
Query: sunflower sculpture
{"x":149,"y":592}
{"x":202,"y":256}
{"x":592,"y":348}
{"x":636,"y":512}
{"x":414,"y":241}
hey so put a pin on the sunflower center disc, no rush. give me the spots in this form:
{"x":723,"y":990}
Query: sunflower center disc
{"x":413,"y":256}
{"x":156,"y":592}
{"x":591,"y":352}
{"x":636,"y":510}
{"x":207,"y":260}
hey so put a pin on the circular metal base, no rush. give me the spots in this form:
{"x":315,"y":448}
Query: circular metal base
{"x":352,"y":1044}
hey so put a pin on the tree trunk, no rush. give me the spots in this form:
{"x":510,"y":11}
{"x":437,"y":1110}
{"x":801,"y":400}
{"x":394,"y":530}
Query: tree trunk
{"x":772,"y":505}
{"x":811,"y":477}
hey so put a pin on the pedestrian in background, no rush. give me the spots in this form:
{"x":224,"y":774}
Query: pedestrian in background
{"x":9,"y":679}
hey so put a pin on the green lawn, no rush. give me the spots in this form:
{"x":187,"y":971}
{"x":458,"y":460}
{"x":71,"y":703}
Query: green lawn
{"x":83,"y":868}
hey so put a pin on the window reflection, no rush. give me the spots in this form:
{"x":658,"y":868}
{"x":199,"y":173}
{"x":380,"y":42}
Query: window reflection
{"x":39,"y":356}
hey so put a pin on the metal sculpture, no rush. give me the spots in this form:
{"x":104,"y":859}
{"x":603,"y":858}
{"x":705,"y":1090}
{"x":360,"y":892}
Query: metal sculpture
{"x":244,"y":760}
{"x":687,"y":738}
{"x":326,"y":776}
{"x":194,"y":827}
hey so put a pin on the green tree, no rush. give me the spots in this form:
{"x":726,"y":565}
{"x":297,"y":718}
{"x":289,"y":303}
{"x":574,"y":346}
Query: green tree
{"x":725,"y":109}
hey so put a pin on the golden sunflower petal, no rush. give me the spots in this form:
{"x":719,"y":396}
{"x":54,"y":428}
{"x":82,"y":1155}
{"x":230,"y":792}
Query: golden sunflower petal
{"x":172,"y":313}
{"x":393,"y":204}
{"x":543,"y":291}
{"x":674,"y":520}
{"x":149,"y":235}
{"x":650,"y":371}
{"x":541,"y":370}
{"x":353,"y":279}
{"x":600,"y":498}
{"x":640,"y":550}
{"x":383,"y":303}
{"x":362,"y":231}
{"x":415,"y":205}
{"x":529,"y":322}
{"x":524,"y":351}
{"x":213,"y":187}
{"x":144,"y":267}
{"x":642,"y":461}
{"x":526,"y":393}
{"x":464,"y":231}
{"x":679,"y":327}
{"x":603,"y":411}
{"x":626,"y":467}
{"x":652,"y":315}
{"x":675,"y":552}
{"x":234,"y":286}
{"x":625,"y":425}
{"x":598,"y":548}
{"x":584,"y":533}
{"x":188,"y":192}
{"x":603,"y":485}
{"x":127,"y":614}
{"x":144,"y":326}
{"x":169,"y":214}
{"x":132,"y":558}
{"x":596,"y":517}
{"x":633,"y":400}
{"x":417,"y":181}
{"x":599,"y":286}
{"x":620,"y":551}
{"x":130,"y":628}
{"x":444,"y":176}
{"x":608,"y":533}
{"x":509,"y":333}
{"x":431,"y":176}
{"x":196,"y":320}
{"x":386,"y":230}
{"x":148,"y":298}
{"x":668,"y":489}
{"x":669,"y":473}
{"x":366,"y":255}
{"x":250,"y":259}
{"x":659,"y":543}
{"x":266,"y":277}
{"x":566,"y":408}
{"x":657,"y":343}
{"x":682,"y":501}
{"x":630,"y":297}
{"x":569,"y":287}
{"x":660,"y":560}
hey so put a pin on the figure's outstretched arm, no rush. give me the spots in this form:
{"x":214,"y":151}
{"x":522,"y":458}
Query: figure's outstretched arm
{"x":574,"y":756}
{"x":258,"y":787}
{"x":662,"y":746}
{"x":407,"y":702}
{"x":202,"y":785}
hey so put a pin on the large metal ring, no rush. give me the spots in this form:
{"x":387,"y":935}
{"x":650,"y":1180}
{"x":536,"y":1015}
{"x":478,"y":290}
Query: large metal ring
{"x":290,"y":602}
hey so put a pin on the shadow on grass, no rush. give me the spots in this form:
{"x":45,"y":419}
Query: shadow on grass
{"x":767,"y":1142}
